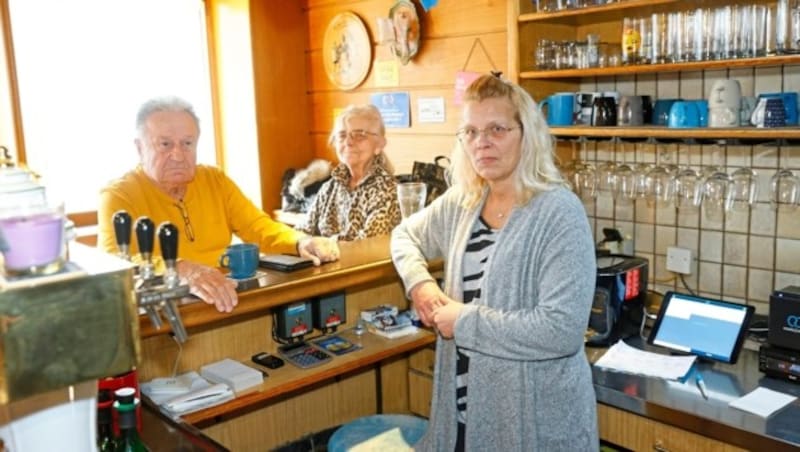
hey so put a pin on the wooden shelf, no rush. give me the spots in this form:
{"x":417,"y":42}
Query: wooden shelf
{"x":653,"y":68}
{"x":578,"y":13}
{"x":738,"y":133}
{"x":289,"y":379}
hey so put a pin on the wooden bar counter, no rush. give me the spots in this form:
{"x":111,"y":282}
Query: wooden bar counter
{"x":294,"y":402}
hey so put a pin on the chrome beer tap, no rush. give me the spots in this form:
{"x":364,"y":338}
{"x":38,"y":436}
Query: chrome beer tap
{"x":168,"y":239}
{"x":154,"y":292}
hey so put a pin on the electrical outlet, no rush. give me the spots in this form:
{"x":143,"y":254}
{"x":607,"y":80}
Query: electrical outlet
{"x":679,"y":260}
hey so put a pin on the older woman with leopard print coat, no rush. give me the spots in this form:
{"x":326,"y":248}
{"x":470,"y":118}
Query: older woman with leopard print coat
{"x":360,"y":198}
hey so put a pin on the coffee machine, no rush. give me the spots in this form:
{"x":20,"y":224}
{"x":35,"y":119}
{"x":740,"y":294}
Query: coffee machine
{"x":60,"y":333}
{"x":619,"y":299}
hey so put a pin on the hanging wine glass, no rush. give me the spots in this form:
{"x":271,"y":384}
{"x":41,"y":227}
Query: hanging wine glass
{"x":715,"y":195}
{"x":743,"y":189}
{"x":784,"y":190}
{"x":624,"y":181}
{"x":584,"y":177}
{"x":659,"y":182}
{"x":688,"y":189}
{"x":606,"y":177}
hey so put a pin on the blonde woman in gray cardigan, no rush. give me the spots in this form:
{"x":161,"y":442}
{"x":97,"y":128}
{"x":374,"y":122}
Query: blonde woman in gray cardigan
{"x":511,"y":373}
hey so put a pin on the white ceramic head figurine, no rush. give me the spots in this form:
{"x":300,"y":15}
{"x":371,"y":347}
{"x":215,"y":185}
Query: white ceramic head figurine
{"x":724,"y":103}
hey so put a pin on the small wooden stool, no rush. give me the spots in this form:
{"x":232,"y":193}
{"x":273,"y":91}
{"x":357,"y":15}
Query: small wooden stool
{"x":359,"y":430}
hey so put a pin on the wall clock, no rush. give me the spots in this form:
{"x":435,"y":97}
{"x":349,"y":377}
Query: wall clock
{"x":346,"y":51}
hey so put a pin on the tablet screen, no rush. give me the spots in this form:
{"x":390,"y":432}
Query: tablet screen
{"x":709,"y":328}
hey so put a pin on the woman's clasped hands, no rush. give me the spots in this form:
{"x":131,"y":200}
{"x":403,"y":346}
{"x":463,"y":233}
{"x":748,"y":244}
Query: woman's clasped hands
{"x":435,"y":308}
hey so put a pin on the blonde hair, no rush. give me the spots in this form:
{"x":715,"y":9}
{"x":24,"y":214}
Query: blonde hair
{"x":536,"y":171}
{"x":370,"y":113}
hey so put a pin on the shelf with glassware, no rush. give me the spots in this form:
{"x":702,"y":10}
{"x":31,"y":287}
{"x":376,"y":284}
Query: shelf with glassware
{"x":610,"y":71}
{"x":657,"y":132}
{"x":564,"y":63}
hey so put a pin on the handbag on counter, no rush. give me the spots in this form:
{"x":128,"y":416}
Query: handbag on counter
{"x":434,"y":175}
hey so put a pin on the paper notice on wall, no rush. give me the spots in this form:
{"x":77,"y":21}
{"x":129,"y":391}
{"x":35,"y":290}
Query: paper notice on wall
{"x":387,"y":73}
{"x":430,"y":109}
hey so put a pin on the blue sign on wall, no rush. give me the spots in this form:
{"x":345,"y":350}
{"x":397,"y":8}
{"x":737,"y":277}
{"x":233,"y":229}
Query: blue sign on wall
{"x":394,"y":108}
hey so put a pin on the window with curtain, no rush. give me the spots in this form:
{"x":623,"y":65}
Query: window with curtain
{"x":83,"y":69}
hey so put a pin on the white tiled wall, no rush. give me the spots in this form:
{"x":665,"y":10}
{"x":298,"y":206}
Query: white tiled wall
{"x":741,"y":256}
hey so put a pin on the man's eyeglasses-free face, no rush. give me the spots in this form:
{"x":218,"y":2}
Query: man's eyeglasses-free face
{"x":355,"y":135}
{"x":469,"y":135}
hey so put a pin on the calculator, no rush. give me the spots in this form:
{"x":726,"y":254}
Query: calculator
{"x":304,"y":355}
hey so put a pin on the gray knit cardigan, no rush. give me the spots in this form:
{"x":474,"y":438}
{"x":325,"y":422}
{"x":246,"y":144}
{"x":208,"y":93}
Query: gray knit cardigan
{"x":530,"y":384}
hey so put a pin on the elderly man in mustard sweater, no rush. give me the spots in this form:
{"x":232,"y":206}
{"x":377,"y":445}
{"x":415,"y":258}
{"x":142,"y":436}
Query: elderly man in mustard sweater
{"x":201,"y":201}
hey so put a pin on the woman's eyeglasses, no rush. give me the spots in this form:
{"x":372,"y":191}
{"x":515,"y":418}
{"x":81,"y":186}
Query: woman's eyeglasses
{"x":469,"y":135}
{"x":355,"y":135}
{"x":186,"y":223}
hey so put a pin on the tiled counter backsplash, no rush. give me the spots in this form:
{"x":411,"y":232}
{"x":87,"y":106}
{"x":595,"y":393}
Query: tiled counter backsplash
{"x":742,"y":256}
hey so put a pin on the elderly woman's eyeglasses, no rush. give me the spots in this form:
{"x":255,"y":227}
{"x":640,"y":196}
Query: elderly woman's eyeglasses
{"x":469,"y":135}
{"x":186,"y":223}
{"x":355,"y":135}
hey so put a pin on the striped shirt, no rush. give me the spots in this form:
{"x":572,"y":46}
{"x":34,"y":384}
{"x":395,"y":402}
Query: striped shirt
{"x":479,"y":250}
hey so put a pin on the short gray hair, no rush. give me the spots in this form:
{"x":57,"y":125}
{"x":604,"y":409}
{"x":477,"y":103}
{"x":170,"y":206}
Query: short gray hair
{"x":365,"y":111}
{"x":159,"y":104}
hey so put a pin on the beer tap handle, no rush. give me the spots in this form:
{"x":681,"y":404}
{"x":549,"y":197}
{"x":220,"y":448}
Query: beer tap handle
{"x":168,"y":239}
{"x":145,"y":233}
{"x":122,"y":231}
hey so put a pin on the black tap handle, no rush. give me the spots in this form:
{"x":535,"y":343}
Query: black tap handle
{"x":145,"y":233}
{"x":122,"y":228}
{"x":168,"y":238}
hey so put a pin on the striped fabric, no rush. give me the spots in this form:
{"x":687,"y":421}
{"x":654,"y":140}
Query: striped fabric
{"x":479,"y":250}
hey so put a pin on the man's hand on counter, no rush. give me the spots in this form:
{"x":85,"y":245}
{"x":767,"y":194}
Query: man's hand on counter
{"x":318,"y":249}
{"x":209,"y":284}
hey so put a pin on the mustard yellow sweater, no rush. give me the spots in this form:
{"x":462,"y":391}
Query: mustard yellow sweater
{"x":214,"y":205}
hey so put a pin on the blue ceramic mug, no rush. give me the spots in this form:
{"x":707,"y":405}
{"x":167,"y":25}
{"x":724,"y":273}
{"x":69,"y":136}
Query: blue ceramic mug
{"x":683,"y":114}
{"x":241,"y":259}
{"x":702,"y":111}
{"x":661,"y":111}
{"x":789,"y":105}
{"x":560,"y":109}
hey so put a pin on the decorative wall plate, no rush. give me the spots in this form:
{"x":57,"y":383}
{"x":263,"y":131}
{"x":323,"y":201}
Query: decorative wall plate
{"x":346,"y":51}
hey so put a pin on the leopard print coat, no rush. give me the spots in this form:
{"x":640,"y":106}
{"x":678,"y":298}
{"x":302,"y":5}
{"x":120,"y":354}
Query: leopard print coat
{"x":368,"y":210}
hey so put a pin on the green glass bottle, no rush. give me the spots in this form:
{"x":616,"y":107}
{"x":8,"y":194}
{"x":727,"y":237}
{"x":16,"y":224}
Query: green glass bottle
{"x":125,"y":404}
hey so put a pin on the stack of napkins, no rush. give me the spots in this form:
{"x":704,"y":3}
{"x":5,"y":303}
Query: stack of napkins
{"x":236,"y":375}
{"x":185,"y":393}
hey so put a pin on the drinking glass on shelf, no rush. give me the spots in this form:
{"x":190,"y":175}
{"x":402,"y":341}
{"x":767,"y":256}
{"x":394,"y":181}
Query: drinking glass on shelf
{"x":743,"y":189}
{"x":784,"y":190}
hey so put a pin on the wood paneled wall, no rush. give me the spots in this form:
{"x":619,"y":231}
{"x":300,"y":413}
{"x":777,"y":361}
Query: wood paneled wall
{"x":449,"y":31}
{"x":279,"y":31}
